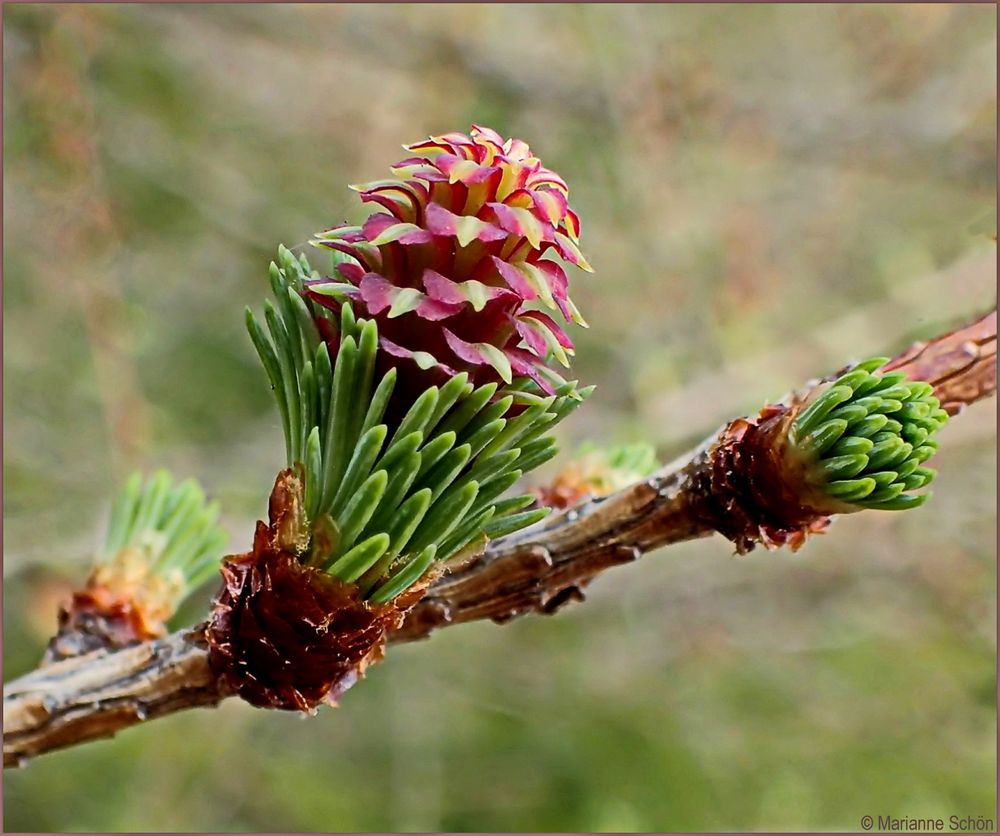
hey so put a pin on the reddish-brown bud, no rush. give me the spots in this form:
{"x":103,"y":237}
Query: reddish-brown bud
{"x":754,"y":492}
{"x":123,"y":602}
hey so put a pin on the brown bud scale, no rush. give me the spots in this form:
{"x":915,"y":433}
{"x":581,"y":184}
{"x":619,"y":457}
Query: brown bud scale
{"x":98,"y":618}
{"x":122,"y":603}
{"x":753,"y":491}
{"x":287,"y":635}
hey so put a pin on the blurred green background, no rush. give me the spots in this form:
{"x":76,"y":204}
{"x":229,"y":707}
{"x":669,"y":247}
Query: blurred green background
{"x":767,"y":192}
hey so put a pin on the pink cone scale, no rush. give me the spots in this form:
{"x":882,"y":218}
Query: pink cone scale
{"x":462,"y":263}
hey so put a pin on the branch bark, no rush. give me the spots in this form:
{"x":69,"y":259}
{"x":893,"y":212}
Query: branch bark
{"x":961,"y":365}
{"x":95,"y":695}
{"x":537,"y":570}
{"x":98,"y":694}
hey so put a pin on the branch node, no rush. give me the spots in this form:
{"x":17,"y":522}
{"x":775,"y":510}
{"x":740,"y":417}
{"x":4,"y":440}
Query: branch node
{"x":564,"y":596}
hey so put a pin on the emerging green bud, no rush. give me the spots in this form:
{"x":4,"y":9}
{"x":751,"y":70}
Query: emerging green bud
{"x":865,"y":439}
{"x":597,"y":471}
{"x":163,"y":542}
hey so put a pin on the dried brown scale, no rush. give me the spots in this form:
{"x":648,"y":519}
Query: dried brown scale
{"x":588,"y":476}
{"x":122,"y":603}
{"x":286,"y":635}
{"x":753,"y":491}
{"x":97,"y":618}
{"x":561,"y":495}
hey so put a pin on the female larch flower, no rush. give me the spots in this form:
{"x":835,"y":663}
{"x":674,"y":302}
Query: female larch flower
{"x":415,"y":388}
{"x":453,"y":267}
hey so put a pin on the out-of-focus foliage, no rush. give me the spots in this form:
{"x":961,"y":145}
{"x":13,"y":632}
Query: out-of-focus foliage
{"x":767,"y":192}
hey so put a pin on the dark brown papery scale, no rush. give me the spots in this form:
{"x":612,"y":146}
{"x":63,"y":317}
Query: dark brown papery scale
{"x":754,"y":492}
{"x":290,"y":636}
{"x":99,"y":618}
{"x":124,"y":602}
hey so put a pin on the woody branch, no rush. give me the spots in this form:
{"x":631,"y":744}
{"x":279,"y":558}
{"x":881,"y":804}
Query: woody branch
{"x":536,"y":570}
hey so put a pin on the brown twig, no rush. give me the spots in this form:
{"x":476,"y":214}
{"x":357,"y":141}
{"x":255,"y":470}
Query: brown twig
{"x":961,"y":365}
{"x":93,"y":696}
{"x":537,"y":570}
{"x":100,"y":693}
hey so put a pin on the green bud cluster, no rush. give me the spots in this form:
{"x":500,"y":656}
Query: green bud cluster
{"x":386,"y":501}
{"x":867,"y":437}
{"x":632,"y":461}
{"x":600,"y":471}
{"x":172,"y":526}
